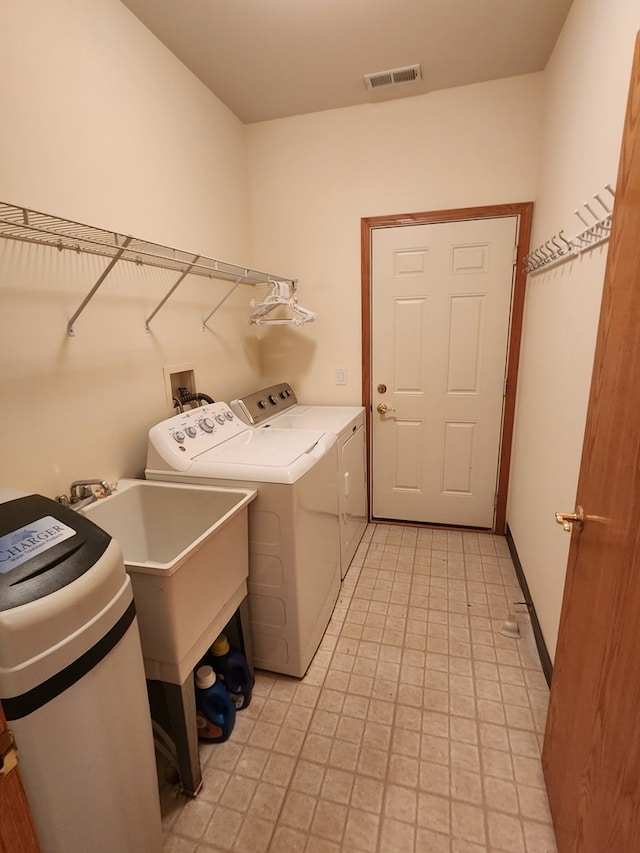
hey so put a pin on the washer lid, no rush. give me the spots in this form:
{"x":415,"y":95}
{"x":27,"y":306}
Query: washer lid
{"x":43,"y":547}
{"x":263,"y":456}
{"x":333,"y":419}
{"x":264,"y":447}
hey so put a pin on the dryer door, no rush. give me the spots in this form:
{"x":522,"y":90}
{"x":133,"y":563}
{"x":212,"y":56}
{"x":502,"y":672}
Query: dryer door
{"x":353,"y":495}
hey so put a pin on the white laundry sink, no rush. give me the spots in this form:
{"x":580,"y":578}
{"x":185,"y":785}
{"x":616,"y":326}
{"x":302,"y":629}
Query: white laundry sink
{"x":185,"y":549}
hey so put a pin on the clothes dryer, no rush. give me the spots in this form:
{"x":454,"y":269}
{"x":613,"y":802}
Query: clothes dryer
{"x":294,"y":534}
{"x":277,"y":407}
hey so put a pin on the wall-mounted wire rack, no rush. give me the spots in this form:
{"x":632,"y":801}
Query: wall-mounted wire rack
{"x":597,"y":230}
{"x":31,"y":226}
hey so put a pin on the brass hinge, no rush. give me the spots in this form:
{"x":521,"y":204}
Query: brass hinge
{"x":8,"y":753}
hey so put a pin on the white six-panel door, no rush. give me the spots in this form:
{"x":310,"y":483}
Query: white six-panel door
{"x":441,"y":298}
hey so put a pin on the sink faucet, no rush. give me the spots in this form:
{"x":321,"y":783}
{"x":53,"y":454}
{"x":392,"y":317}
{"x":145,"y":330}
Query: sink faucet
{"x":81,"y":493}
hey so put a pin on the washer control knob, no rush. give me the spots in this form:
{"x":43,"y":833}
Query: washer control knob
{"x":191,"y":431}
{"x":273,"y":399}
{"x":262,"y":404}
{"x":220,"y":418}
{"x":206,"y":424}
{"x":179,"y":436}
{"x":284,"y":394}
{"x":228,"y":415}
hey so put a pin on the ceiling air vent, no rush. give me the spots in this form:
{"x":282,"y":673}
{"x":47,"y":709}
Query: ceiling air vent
{"x":392,"y":77}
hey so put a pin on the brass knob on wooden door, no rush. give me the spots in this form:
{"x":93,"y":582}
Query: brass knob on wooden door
{"x":569,"y":520}
{"x":382,"y":409}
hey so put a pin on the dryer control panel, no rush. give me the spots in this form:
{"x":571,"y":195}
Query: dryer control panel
{"x":256,"y":408}
{"x":187,"y":435}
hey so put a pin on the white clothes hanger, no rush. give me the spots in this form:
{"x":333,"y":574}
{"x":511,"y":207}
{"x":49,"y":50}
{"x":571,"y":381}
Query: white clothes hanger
{"x":282,"y":294}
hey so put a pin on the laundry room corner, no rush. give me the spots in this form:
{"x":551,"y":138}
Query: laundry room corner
{"x":323,"y":172}
{"x":586,"y":82}
{"x":122,"y":137}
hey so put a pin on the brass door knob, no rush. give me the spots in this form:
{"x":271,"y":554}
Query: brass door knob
{"x":382,"y":409}
{"x":569,"y":520}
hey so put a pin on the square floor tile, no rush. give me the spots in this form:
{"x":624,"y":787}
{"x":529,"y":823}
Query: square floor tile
{"x":417,"y":727}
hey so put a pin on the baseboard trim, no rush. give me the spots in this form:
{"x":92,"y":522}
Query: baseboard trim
{"x":545,"y":660}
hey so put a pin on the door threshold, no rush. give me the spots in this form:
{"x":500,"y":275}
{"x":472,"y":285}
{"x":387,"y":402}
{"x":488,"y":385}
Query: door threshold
{"x":430,"y":525}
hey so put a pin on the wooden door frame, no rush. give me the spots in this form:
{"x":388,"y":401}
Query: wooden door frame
{"x":17,"y":830}
{"x":523,"y":210}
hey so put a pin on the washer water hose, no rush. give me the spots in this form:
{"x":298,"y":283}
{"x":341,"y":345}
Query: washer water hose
{"x":187,"y":397}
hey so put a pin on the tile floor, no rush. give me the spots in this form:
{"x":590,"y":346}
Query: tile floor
{"x":418,"y":726}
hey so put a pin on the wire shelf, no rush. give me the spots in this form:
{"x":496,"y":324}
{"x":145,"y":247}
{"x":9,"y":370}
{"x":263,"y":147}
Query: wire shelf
{"x":31,"y":226}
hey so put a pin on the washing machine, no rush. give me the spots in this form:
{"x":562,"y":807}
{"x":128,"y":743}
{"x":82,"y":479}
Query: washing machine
{"x":277,"y":407}
{"x":294,"y":532}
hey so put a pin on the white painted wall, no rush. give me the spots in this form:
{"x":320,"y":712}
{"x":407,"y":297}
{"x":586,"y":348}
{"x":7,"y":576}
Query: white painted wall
{"x":101,"y":124}
{"x":313,"y":177}
{"x":586,"y":84}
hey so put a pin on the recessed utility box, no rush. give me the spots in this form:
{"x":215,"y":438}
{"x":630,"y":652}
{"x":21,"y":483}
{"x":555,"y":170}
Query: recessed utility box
{"x":178,"y":376}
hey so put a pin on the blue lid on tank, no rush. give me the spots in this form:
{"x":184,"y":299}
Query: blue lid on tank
{"x":43,"y":547}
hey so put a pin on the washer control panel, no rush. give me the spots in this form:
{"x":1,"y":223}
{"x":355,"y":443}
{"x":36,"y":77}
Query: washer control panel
{"x":195,"y":431}
{"x":256,"y":408}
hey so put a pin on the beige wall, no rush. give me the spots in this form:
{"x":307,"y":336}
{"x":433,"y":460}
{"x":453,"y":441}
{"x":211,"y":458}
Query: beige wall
{"x":313,"y":177}
{"x":102,"y":125}
{"x":586,"y":87}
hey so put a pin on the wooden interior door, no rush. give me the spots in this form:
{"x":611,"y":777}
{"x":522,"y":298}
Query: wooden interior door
{"x":591,"y":754}
{"x":17,"y":832}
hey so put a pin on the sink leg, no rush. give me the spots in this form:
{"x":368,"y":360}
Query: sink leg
{"x":181,"y":706}
{"x":245,"y":627}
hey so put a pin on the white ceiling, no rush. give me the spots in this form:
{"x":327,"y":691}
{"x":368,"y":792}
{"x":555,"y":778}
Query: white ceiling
{"x":273,"y":58}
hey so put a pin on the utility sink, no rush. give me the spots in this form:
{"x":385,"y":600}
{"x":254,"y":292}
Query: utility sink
{"x":185,"y":548}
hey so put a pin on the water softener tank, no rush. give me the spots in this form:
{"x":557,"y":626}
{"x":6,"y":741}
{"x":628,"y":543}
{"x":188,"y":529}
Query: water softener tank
{"x":72,"y":682}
